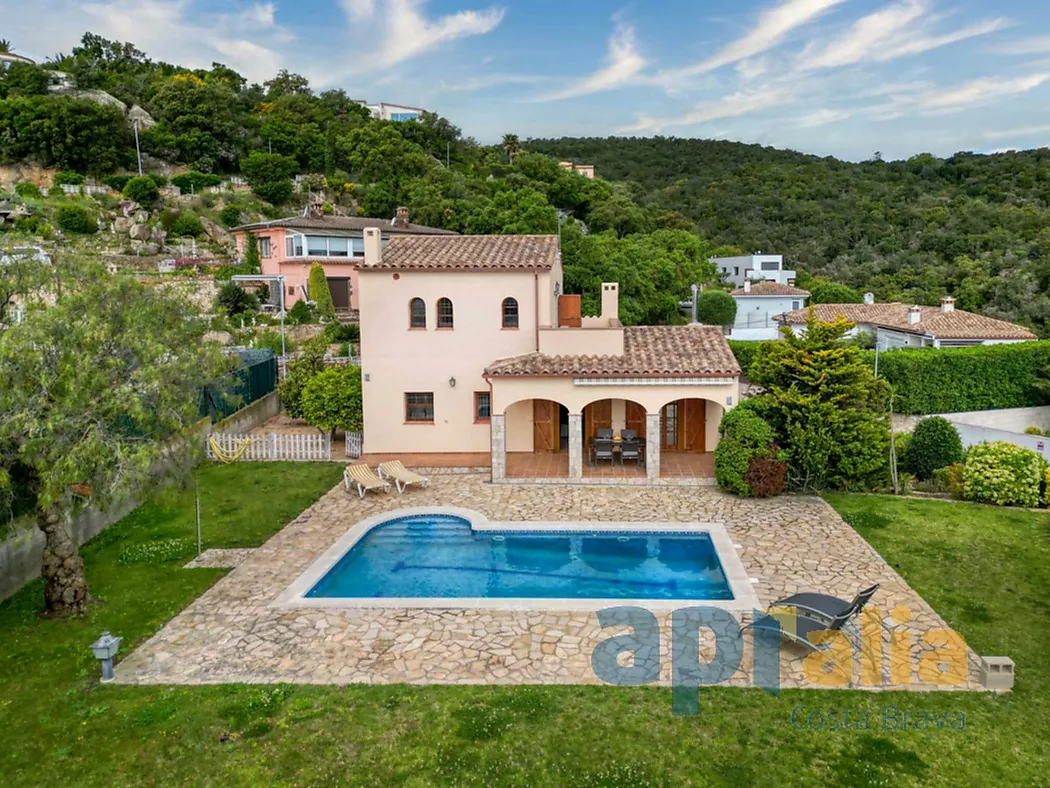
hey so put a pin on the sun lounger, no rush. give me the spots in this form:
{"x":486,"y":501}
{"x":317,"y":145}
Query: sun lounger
{"x":825,"y":607}
{"x":401,"y":475}
{"x":796,"y":626}
{"x":362,"y":477}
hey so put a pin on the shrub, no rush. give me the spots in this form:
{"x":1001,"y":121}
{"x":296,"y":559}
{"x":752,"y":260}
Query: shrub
{"x":270,"y":175}
{"x":745,"y":352}
{"x":765,"y":476}
{"x":1034,"y":431}
{"x":28,"y":191}
{"x":716,"y":308}
{"x":230,"y":215}
{"x":142,"y":190}
{"x":1002,"y":473}
{"x":901,"y":442}
{"x":158,"y":179}
{"x":950,"y":480}
{"x":67,"y":178}
{"x":744,"y":436}
{"x":252,"y":261}
{"x":833,"y":293}
{"x":234,"y":300}
{"x":342,"y":332}
{"x":195,"y":181}
{"x":75,"y":219}
{"x":320,"y":293}
{"x":926,"y":380}
{"x":300,"y":372}
{"x":187,"y":224}
{"x":117,"y":182}
{"x":299,"y":313}
{"x":935,"y":444}
{"x":331,"y":399}
{"x":32,"y":225}
{"x":270,"y":340}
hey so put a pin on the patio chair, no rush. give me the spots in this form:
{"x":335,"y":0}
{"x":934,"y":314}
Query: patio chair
{"x":630,"y":450}
{"x":364,"y":479}
{"x":401,"y":476}
{"x":825,"y":607}
{"x":794,"y":625}
{"x":603,"y":432}
{"x":629,"y":435}
{"x":603,"y":450}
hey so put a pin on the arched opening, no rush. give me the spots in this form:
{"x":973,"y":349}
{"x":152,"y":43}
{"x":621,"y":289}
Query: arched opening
{"x":417,"y":313}
{"x":537,"y":439}
{"x":623,"y":422}
{"x":688,"y":434}
{"x":444,"y":311}
{"x":509,"y":313}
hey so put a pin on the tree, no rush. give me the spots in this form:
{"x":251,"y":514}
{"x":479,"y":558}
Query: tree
{"x":935,"y":443}
{"x":320,"y":293}
{"x":270,"y":175}
{"x":829,"y":412}
{"x":833,"y":293}
{"x":25,"y":79}
{"x":76,"y":219}
{"x":234,"y":300}
{"x":716,"y":308}
{"x":511,"y":145}
{"x":96,"y":392}
{"x":142,"y":190}
{"x":309,"y":363}
{"x":252,"y":261}
{"x":331,"y":399}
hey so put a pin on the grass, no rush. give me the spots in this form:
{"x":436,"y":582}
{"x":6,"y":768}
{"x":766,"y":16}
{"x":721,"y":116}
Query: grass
{"x":986,"y":570}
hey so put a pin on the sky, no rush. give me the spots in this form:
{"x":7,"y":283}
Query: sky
{"x":832,"y":77}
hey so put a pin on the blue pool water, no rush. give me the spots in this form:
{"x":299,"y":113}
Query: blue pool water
{"x":440,"y":556}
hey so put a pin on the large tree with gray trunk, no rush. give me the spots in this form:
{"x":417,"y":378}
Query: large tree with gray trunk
{"x":100,"y":386}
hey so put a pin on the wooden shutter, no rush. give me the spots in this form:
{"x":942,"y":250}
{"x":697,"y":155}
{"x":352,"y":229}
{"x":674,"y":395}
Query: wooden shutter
{"x":596,"y":416}
{"x":544,"y":421}
{"x":635,"y":419}
{"x":569,"y":311}
{"x":693,"y":426}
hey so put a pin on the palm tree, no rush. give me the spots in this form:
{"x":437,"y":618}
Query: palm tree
{"x":511,"y":145}
{"x":5,"y":46}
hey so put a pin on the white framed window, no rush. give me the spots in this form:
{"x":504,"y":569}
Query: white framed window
{"x":316,"y":246}
{"x":264,"y":247}
{"x":338,"y":247}
{"x":293,"y":246}
{"x":795,"y":305}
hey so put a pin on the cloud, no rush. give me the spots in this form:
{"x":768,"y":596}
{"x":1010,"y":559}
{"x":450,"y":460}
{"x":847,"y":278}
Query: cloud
{"x":1024,"y":131}
{"x":732,"y":106}
{"x":822,"y":117}
{"x":943,"y":101}
{"x":1039,"y":45}
{"x":486,"y":81}
{"x":409,"y":33}
{"x":773,"y":26}
{"x":358,"y":9}
{"x":889,"y":33}
{"x":622,"y":65}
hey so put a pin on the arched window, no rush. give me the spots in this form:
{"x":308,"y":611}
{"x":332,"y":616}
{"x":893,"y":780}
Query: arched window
{"x":510,"y":313}
{"x":445,"y":319}
{"x":417,"y":313}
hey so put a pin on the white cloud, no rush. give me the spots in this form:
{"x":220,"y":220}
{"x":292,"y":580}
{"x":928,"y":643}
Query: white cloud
{"x":409,"y":33}
{"x":822,"y":117}
{"x":358,"y":9}
{"x":772,"y":27}
{"x":889,"y":33}
{"x":981,"y":91}
{"x":1039,"y":45}
{"x":733,"y":106}
{"x":486,"y":81}
{"x":1024,"y":131}
{"x":622,"y":65}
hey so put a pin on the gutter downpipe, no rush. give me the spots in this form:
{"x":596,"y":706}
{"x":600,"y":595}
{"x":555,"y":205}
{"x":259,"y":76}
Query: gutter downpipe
{"x":536,"y":303}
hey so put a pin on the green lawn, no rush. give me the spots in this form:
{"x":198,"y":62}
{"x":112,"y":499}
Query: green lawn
{"x":986,"y":570}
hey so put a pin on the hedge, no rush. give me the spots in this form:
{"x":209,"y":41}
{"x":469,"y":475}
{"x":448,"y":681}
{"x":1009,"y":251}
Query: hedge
{"x":952,"y":380}
{"x":744,"y":351}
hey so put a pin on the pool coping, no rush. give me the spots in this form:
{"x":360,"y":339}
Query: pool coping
{"x":744,"y":597}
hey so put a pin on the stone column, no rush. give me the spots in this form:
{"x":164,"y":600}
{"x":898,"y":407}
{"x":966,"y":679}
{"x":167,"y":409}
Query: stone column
{"x":652,"y":446}
{"x":498,"y":426}
{"x":575,"y":445}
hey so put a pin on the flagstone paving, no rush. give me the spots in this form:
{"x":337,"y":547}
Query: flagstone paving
{"x":233,"y":633}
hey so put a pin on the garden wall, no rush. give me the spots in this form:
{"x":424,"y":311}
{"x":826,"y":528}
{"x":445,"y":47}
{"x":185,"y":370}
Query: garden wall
{"x":972,"y":435}
{"x":1006,"y":419}
{"x":259,"y":412}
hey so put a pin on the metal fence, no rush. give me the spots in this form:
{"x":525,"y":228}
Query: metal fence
{"x":256,"y":378}
{"x":234,"y":447}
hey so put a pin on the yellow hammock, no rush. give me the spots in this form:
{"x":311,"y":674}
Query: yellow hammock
{"x":224,"y":457}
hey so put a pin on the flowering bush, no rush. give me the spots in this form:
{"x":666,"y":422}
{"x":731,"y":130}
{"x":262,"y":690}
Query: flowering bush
{"x":1002,"y":473}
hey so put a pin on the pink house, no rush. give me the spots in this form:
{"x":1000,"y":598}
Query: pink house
{"x":288,"y":247}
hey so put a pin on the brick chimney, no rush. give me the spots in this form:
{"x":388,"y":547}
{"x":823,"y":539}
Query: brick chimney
{"x":747,"y":285}
{"x":373,"y":246}
{"x":401,"y":217}
{"x":947,"y":304}
{"x":914,"y":315}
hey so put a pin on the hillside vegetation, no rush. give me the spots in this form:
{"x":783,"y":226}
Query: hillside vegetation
{"x":975,"y":226}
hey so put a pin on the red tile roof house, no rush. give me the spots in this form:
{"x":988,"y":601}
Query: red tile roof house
{"x":470,"y":348}
{"x":290,"y":246}
{"x":758,"y":304}
{"x":899,"y":325}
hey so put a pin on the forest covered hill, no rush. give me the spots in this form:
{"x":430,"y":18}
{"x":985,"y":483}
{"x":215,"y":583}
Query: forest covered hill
{"x":975,"y":226}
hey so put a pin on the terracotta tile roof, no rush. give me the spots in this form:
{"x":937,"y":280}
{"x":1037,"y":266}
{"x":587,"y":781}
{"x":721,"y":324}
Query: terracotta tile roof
{"x":956,"y":324}
{"x":648,"y":351}
{"x":353,"y":225}
{"x":470,"y":252}
{"x":770,"y":289}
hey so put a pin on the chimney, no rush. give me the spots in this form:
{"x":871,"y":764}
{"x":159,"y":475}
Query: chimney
{"x":373,"y":246}
{"x":947,"y":304}
{"x":611,"y":302}
{"x":747,"y":285}
{"x":401,"y":217}
{"x":869,"y":298}
{"x":914,"y":315}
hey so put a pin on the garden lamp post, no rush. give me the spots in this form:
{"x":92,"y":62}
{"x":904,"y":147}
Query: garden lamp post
{"x":104,"y":649}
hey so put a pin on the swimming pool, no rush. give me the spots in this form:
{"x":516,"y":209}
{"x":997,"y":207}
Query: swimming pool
{"x":457,"y":558}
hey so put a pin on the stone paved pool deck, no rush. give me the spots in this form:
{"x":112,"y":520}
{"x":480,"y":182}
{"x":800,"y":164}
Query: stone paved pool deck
{"x":234,"y":632}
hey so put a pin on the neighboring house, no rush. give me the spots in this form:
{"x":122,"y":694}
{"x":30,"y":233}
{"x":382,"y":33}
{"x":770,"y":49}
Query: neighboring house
{"x":899,"y":325}
{"x":469,"y":346}
{"x":290,"y":246}
{"x":756,"y":267}
{"x":397,"y":112}
{"x":759,"y":303}
{"x":9,"y":58}
{"x":586,"y":170}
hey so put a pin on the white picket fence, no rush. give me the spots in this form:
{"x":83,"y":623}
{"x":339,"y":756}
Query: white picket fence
{"x":353,"y":444}
{"x":264,"y":447}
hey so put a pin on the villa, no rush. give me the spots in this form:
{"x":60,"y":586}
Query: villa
{"x":288,"y":247}
{"x":470,"y":348}
{"x":899,"y":325}
{"x":754,"y":267}
{"x":759,"y":303}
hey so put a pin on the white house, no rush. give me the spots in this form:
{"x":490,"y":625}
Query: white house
{"x":899,"y":325}
{"x":398,"y":112}
{"x":758,"y":304}
{"x":756,"y":267}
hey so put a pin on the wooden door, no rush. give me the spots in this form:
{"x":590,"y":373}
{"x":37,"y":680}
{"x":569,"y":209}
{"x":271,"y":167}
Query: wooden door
{"x":596,"y":416}
{"x":340,"y":292}
{"x":670,"y":426}
{"x":635,"y":419}
{"x":693,"y":426}
{"x":569,"y":311}
{"x":544,"y":425}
